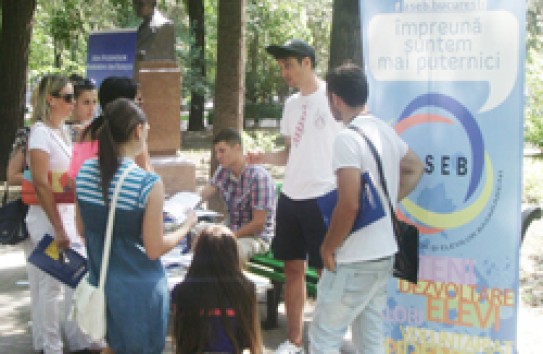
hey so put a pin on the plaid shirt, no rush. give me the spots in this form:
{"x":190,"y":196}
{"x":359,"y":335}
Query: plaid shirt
{"x":254,"y":189}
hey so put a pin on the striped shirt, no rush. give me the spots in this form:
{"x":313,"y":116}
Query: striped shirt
{"x":133,"y":194}
{"x":254,"y":189}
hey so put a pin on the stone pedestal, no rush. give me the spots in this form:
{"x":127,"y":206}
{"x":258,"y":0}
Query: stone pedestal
{"x":160,"y":83}
{"x":177,"y":173}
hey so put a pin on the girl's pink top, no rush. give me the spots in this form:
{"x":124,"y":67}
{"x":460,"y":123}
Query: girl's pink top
{"x":81,"y":152}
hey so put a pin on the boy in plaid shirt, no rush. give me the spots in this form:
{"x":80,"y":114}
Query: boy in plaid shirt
{"x":247,"y":190}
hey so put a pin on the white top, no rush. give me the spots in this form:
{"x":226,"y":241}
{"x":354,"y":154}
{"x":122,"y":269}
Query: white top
{"x":57,"y":144}
{"x":351,"y":150}
{"x":311,"y":127}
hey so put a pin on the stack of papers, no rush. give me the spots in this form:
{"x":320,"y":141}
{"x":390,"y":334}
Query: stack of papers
{"x":176,"y":258}
{"x":177,"y":206}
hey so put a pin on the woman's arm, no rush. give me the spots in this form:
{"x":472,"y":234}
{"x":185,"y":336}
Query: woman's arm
{"x":154,"y":240}
{"x":39,"y":167}
{"x":16,"y":166}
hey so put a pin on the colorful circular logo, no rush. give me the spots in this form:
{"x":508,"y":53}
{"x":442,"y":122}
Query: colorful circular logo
{"x":431,"y":222}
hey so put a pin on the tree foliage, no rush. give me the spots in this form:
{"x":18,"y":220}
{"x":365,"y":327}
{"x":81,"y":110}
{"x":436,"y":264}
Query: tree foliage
{"x":275,"y":22}
{"x":534,"y":99}
{"x":534,"y":74}
{"x":61,"y":29}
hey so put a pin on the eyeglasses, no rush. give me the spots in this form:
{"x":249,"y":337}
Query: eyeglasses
{"x":67,"y":97}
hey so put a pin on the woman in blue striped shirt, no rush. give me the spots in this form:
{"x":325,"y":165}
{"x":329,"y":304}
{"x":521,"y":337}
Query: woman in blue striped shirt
{"x":136,"y":288}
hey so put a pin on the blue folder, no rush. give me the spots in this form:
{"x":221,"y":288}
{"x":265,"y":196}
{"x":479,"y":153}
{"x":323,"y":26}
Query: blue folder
{"x":68,"y":266}
{"x":371,"y":208}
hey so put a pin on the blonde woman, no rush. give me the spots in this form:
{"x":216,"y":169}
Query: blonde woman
{"x":49,"y":149}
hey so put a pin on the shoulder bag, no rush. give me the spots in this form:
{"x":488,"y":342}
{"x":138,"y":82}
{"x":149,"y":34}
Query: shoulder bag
{"x":12,"y":220}
{"x":406,"y":261}
{"x":89,"y":302}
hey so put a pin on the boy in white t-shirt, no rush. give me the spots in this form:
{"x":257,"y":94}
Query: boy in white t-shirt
{"x":309,"y":130}
{"x":358,"y":265}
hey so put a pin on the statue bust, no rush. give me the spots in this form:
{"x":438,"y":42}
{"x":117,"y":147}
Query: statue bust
{"x":156,"y":36}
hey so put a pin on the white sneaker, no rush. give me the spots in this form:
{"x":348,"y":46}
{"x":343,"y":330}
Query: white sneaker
{"x":289,"y":348}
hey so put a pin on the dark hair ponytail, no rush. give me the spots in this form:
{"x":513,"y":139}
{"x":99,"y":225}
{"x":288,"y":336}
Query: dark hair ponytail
{"x":91,"y":131}
{"x":120,"y":118}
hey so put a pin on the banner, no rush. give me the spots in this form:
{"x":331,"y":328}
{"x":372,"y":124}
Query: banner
{"x":111,"y":53}
{"x":449,"y":76}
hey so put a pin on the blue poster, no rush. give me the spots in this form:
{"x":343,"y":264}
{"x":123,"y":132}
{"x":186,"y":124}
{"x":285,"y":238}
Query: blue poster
{"x":111,"y":53}
{"x":449,"y":76}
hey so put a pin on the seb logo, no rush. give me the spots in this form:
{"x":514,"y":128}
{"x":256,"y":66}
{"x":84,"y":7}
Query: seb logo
{"x":444,"y":165}
{"x":458,"y":185}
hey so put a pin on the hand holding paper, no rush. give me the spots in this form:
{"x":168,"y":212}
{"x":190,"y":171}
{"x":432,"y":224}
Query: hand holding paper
{"x":177,"y":206}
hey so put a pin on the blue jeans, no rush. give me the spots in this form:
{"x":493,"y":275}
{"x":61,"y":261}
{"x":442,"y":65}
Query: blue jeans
{"x":355,"y":294}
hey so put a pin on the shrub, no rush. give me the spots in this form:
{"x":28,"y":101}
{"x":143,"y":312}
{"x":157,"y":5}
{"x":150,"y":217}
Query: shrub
{"x":534,"y":100}
{"x":260,"y":140}
{"x":255,"y":112}
{"x":533,"y":186}
{"x":258,"y":111}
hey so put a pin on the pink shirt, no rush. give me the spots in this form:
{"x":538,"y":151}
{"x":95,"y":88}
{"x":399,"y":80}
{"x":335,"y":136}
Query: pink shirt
{"x":81,"y":152}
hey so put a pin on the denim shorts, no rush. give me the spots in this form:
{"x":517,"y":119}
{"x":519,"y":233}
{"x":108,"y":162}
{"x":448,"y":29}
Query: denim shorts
{"x":354,"y":294}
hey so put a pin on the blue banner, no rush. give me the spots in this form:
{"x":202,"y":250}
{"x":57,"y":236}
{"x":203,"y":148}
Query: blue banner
{"x":111,"y":53}
{"x":449,"y":76}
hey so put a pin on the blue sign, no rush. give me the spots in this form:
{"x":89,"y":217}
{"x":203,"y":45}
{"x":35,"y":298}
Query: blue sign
{"x":448,"y":75}
{"x":111,"y":53}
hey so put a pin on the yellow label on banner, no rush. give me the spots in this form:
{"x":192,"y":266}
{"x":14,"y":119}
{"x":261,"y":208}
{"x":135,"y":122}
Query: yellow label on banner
{"x":52,"y":251}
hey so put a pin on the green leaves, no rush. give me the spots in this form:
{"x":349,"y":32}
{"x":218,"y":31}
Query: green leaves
{"x":61,"y":29}
{"x":534,"y":98}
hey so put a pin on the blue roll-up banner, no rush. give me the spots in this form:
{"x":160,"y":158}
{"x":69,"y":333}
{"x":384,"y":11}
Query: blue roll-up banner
{"x":111,"y":53}
{"x":449,"y":76}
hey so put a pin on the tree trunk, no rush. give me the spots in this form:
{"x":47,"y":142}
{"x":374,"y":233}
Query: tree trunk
{"x":230,"y":81}
{"x":197,"y":63}
{"x":345,"y":37}
{"x":14,"y":46}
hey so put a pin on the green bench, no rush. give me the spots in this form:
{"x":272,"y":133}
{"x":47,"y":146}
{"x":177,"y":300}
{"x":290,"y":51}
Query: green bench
{"x":273,"y":269}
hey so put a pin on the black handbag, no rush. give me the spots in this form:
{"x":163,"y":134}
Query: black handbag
{"x":12,"y":220}
{"x":406,"y":260}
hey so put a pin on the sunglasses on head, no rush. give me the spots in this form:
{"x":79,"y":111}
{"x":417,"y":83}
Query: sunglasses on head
{"x":67,"y":97}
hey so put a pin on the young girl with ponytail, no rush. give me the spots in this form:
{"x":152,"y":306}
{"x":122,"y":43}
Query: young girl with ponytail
{"x":136,"y":290}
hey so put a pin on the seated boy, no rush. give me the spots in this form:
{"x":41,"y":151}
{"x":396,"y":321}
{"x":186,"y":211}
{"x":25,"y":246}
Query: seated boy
{"x":247,"y":190}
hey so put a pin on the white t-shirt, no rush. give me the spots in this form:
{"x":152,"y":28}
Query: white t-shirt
{"x":50,"y":141}
{"x":351,"y":150}
{"x":311,"y":127}
{"x":59,"y":150}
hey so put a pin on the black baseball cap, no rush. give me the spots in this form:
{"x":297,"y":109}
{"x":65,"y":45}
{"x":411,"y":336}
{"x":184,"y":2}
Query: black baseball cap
{"x":293,"y":47}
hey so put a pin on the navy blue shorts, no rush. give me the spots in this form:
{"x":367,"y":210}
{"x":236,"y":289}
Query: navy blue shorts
{"x":299,"y":231}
